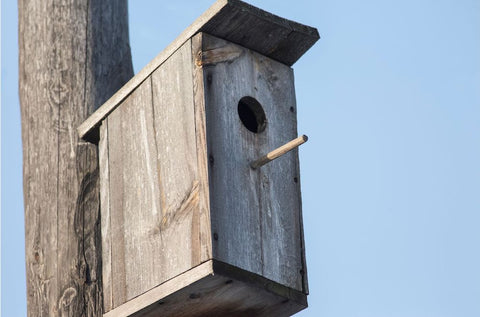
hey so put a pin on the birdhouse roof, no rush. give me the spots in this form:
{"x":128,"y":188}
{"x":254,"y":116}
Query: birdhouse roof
{"x":235,"y":21}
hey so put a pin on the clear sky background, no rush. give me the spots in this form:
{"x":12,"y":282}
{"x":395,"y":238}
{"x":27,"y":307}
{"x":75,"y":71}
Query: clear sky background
{"x":390,"y":98}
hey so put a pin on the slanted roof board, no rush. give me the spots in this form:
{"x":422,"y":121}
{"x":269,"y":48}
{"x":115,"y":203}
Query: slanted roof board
{"x":235,"y":21}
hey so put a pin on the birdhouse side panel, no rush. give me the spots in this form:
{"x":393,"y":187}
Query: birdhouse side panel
{"x":154,"y":227}
{"x":256,"y":214}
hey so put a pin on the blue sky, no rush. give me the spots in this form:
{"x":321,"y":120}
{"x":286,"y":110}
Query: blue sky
{"x":390,"y":99}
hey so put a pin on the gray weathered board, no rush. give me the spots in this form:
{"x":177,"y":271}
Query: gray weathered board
{"x":219,"y":290}
{"x":255,"y":213}
{"x":153,"y":226}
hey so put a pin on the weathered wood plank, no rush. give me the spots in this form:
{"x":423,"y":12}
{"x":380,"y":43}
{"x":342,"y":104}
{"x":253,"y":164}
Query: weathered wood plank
{"x":235,"y":21}
{"x":105,"y":217}
{"x":174,"y":121}
{"x":304,"y":271}
{"x":159,"y":204}
{"x":117,"y":206}
{"x":141,"y":195}
{"x":236,"y":221}
{"x":255,"y":213}
{"x":203,"y":214}
{"x":279,"y":193}
{"x":275,"y":37}
{"x":215,"y":289}
{"x":153,"y":296}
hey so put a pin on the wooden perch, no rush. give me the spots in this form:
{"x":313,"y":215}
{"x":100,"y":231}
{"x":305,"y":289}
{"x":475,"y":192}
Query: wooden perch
{"x":279,"y":152}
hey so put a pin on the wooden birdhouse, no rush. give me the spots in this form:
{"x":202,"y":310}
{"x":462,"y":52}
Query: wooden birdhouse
{"x":196,"y":220}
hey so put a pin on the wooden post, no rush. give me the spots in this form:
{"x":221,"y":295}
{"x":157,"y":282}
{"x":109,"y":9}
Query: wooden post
{"x":73,"y":56}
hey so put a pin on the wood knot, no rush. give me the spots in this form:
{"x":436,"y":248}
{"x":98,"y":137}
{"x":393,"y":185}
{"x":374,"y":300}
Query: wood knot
{"x":67,"y":297}
{"x":198,"y":59}
{"x":225,"y":54}
{"x":58,"y":91}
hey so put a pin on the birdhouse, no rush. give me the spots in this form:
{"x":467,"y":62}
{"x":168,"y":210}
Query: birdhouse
{"x":196,"y":218}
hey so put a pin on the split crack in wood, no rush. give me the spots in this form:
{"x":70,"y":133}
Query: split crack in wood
{"x":189,"y":202}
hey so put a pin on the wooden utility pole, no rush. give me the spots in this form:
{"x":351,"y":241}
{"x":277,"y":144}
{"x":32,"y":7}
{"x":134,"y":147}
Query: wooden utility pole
{"x":74,"y":54}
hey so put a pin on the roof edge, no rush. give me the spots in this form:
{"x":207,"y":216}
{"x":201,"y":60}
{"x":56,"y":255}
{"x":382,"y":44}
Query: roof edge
{"x":233,"y":20}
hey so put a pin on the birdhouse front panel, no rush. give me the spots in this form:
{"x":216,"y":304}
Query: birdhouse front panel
{"x":256,"y":213}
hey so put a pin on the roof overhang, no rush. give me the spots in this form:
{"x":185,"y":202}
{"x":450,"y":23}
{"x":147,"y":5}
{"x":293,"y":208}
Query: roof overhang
{"x":232,"y":20}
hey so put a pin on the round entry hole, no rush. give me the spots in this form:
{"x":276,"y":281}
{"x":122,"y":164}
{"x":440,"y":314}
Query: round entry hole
{"x":252,"y":115}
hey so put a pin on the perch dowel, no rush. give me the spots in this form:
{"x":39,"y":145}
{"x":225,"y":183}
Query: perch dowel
{"x":279,"y":152}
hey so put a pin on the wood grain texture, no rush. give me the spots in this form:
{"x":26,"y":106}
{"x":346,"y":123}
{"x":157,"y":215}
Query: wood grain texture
{"x":205,"y":232}
{"x":215,"y":289}
{"x":157,"y":183}
{"x":275,"y":37}
{"x":179,"y":220}
{"x":69,"y":52}
{"x":105,"y":217}
{"x":279,"y":188}
{"x":116,"y":220}
{"x":232,"y":20}
{"x":134,"y":198}
{"x":165,"y":289}
{"x":255,"y":213}
{"x":304,"y":271}
{"x":140,"y":193}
